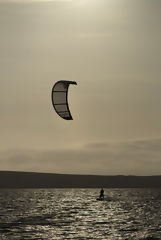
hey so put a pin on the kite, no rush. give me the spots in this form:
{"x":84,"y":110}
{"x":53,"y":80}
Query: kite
{"x":59,"y":98}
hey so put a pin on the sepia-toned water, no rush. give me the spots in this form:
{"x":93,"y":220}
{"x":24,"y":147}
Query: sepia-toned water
{"x":76,"y":214}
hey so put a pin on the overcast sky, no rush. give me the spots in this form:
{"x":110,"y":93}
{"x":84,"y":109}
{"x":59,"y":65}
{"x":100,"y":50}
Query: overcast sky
{"x":112,"y":49}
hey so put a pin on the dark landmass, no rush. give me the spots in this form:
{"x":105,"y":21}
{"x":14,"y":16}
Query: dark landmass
{"x":10,"y":179}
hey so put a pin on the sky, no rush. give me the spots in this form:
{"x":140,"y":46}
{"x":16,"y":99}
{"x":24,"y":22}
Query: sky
{"x":112,"y":49}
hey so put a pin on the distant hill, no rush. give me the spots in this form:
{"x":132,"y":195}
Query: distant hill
{"x":10,"y":179}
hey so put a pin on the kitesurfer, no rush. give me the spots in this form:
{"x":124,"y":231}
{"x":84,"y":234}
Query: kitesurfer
{"x":102,"y":194}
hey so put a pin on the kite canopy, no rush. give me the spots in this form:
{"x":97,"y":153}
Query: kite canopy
{"x":60,"y":98}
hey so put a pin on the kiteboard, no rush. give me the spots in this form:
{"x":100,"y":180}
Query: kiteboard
{"x":100,"y":199}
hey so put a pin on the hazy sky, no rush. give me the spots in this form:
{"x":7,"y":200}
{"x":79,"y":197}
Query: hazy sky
{"x":112,"y":49}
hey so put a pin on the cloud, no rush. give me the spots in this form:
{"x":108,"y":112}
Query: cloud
{"x":141,"y":157}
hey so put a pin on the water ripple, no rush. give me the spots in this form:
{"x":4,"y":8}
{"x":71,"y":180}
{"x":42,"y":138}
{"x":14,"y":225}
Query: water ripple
{"x":57,"y":214}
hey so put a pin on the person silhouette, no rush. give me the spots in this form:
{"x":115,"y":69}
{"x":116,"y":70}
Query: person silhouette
{"x":102,"y":194}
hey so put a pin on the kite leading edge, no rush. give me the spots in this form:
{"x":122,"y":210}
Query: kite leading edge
{"x":59,"y":98}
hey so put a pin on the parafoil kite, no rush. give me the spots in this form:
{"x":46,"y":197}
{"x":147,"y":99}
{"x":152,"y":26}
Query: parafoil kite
{"x":59,"y":98}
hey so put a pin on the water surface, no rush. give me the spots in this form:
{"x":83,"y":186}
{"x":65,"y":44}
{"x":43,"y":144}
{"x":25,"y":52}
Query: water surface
{"x":75,"y":214}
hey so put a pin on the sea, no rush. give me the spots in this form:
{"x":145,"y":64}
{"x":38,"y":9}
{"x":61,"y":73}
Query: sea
{"x":61,"y":214}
